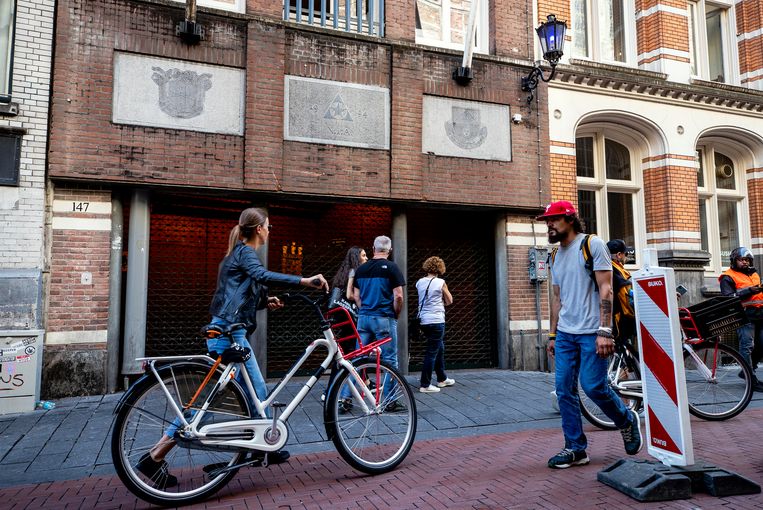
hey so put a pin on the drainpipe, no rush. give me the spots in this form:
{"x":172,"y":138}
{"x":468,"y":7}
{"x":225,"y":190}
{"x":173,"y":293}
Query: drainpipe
{"x":115,"y":296}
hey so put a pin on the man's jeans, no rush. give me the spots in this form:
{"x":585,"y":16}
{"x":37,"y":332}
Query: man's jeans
{"x":576,"y":356}
{"x":371,"y":329}
{"x":750,"y":343}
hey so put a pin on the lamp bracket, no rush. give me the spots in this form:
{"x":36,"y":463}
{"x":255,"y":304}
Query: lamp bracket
{"x":190,"y":32}
{"x":530,"y":82}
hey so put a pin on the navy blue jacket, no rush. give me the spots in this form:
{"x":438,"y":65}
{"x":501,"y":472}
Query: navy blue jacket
{"x":241,"y":286}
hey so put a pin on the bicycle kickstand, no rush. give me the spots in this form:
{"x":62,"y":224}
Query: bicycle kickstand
{"x":272,"y":435}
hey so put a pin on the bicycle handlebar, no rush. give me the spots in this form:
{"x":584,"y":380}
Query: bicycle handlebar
{"x":314,"y":304}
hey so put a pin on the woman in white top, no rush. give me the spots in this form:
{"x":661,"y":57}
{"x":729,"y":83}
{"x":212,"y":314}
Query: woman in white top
{"x":434,"y":296}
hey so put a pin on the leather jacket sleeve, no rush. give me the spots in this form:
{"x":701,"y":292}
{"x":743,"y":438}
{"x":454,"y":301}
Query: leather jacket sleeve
{"x":257,"y":272}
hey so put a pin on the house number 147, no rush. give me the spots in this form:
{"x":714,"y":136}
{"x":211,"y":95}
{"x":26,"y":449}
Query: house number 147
{"x":80,"y":206}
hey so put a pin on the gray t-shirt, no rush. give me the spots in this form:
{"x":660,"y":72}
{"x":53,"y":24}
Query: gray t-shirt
{"x":580,"y":313}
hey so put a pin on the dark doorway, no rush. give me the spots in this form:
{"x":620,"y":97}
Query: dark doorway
{"x":308,"y":239}
{"x":464,"y":241}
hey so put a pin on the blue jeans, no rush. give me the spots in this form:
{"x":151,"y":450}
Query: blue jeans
{"x":371,"y":329}
{"x":434,"y":357}
{"x":751,"y":342}
{"x":258,"y":382}
{"x":576,"y":357}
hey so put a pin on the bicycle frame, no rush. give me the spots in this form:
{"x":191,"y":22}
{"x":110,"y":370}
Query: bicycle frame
{"x":267,"y":434}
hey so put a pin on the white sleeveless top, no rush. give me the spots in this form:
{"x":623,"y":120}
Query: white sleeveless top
{"x":432,"y":308}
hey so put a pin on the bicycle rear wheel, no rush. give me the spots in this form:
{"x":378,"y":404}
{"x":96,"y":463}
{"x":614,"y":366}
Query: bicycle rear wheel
{"x":718,"y":383}
{"x":144,"y":416}
{"x":377,"y":441}
{"x":619,"y":369}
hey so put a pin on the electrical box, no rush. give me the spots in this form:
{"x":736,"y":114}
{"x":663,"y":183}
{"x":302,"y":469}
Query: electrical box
{"x":538,"y":268}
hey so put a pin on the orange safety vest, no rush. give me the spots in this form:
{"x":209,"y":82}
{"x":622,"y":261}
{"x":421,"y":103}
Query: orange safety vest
{"x":741,"y":281}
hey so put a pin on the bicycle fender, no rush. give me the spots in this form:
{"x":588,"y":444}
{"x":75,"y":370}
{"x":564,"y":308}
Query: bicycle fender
{"x":148,"y":376}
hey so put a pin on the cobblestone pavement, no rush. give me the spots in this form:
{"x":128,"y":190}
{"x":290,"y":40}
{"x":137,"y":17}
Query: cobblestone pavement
{"x":71,"y":441}
{"x":483,"y":443}
{"x":505,"y":470}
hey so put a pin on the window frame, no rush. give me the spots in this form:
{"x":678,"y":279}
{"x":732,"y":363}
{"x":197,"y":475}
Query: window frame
{"x":711,"y":194}
{"x":482,"y":30}
{"x":593,"y":28}
{"x":15,"y":179}
{"x":698,"y":33}
{"x":6,"y":89}
{"x":601,"y":185}
{"x":238,"y":6}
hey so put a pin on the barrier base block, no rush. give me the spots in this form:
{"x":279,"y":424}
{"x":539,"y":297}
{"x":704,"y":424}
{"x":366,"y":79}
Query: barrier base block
{"x":646,"y":480}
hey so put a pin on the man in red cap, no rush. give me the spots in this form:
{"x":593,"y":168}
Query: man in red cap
{"x":580,"y":336}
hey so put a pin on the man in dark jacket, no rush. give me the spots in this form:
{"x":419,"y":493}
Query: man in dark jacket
{"x":623,"y":316}
{"x":742,"y":280}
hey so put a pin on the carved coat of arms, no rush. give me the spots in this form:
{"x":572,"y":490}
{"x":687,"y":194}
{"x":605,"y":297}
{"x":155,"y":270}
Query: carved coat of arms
{"x":465,"y":129}
{"x":181,"y":93}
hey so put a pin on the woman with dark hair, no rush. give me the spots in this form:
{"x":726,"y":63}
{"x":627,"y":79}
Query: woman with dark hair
{"x":434,"y":296}
{"x":341,"y":285}
{"x":241,"y":291}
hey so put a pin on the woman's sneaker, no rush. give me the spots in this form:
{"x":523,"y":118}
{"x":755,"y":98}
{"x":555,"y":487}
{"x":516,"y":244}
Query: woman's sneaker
{"x":429,"y":389}
{"x":632,"y":434}
{"x":568,"y":458}
{"x":446,"y":382}
{"x":157,"y":472}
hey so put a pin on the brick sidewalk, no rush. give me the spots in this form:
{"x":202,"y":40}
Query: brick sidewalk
{"x":490,"y":471}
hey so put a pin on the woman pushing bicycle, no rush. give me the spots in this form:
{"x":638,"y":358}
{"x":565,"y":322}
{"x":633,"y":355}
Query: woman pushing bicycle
{"x":241,"y":291}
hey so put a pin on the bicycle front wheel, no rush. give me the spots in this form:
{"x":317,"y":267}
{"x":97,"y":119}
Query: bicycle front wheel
{"x":619,"y":370}
{"x":191,"y":471}
{"x":378,"y":440}
{"x":718,"y":381}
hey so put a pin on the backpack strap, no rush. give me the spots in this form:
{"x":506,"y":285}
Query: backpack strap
{"x":585,"y":248}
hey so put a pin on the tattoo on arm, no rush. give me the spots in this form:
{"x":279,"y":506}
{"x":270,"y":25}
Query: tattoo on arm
{"x":605,"y":307}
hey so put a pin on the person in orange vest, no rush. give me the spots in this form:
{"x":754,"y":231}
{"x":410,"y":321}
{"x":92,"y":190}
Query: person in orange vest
{"x":743,"y":281}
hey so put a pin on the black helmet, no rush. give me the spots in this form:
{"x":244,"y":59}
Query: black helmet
{"x":741,"y":253}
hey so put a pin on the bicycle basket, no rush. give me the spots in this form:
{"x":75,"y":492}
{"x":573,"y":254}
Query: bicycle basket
{"x":713,"y":317}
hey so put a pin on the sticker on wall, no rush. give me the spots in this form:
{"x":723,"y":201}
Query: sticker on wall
{"x":466,"y":129}
{"x":160,"y":92}
{"x":322,"y":111}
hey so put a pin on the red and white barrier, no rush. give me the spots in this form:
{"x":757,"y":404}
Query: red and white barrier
{"x":668,"y":431}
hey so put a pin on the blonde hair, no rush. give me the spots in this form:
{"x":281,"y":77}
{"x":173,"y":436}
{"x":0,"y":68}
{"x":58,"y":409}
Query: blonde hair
{"x":248,"y":222}
{"x":434,"y":265}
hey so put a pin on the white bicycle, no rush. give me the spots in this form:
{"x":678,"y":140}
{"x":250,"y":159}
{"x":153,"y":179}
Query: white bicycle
{"x":201,"y":403}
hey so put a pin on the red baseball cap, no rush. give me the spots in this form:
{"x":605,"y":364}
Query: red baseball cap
{"x":560,"y":208}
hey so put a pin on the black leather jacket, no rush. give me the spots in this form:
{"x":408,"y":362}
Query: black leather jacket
{"x":241,"y":289}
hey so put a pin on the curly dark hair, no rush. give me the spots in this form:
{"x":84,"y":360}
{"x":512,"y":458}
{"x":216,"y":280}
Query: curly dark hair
{"x":351,"y":261}
{"x":434,"y":265}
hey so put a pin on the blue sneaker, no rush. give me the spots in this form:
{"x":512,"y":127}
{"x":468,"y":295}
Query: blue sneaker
{"x":632,"y":434}
{"x":568,"y":458}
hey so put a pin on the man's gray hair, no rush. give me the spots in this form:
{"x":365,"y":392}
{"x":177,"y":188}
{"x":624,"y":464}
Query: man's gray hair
{"x":382,"y":244}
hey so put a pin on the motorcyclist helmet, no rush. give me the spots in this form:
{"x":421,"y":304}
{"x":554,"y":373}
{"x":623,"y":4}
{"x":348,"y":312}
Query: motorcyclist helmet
{"x":741,"y":253}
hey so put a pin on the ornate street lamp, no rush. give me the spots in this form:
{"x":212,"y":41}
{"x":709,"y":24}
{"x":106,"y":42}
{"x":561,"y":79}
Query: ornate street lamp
{"x":551,"y":35}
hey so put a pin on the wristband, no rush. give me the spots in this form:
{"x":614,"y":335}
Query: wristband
{"x":602,"y":332}
{"x":605,"y":328}
{"x":552,"y":335}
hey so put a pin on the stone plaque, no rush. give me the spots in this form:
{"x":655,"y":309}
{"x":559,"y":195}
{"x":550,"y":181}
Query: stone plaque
{"x":466,"y":129}
{"x":322,"y":111}
{"x":160,"y":92}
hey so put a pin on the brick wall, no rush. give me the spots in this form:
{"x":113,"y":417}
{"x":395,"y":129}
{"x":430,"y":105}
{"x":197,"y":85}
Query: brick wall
{"x":22,"y":208}
{"x":86,"y":145}
{"x":749,"y":17}
{"x":563,"y":172}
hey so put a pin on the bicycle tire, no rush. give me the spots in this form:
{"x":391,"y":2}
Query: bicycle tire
{"x":729,"y":393}
{"x":374,"y":442}
{"x":591,"y":411}
{"x":142,"y":418}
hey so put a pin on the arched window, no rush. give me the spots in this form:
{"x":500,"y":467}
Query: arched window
{"x":721,"y":192}
{"x":609,"y":190}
